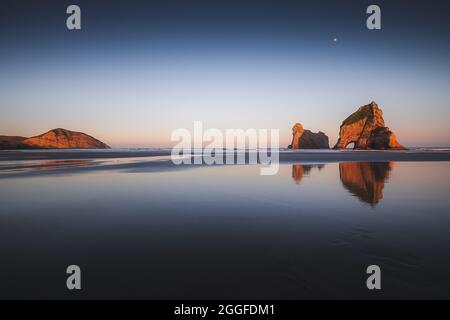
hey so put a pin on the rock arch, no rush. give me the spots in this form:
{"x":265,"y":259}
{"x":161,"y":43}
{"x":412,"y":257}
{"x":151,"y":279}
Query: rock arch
{"x":367,"y":130}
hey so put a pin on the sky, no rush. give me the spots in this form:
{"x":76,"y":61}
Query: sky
{"x":138,"y":70}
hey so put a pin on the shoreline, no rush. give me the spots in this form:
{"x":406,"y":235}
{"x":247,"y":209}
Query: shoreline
{"x":326,"y":155}
{"x":45,"y":162}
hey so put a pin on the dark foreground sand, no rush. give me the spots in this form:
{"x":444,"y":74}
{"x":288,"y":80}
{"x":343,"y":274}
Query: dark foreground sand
{"x":193,"y":231}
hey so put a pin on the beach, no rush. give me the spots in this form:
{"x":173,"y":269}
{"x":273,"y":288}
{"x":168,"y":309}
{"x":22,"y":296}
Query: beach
{"x":141,"y":227}
{"x":20,"y":162}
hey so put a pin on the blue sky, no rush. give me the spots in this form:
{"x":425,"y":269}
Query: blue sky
{"x":139,"y":70}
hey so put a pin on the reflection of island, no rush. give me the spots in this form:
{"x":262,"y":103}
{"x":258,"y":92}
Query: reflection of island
{"x":365,"y":179}
{"x":299,"y":170}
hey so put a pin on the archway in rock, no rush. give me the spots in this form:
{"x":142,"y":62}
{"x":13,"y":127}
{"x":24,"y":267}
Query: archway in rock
{"x":351,"y":145}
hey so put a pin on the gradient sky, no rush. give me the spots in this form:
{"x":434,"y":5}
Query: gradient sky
{"x":140,"y":69}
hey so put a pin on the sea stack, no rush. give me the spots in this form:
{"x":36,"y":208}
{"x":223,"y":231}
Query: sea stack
{"x":366,"y":129}
{"x":305,"y":139}
{"x":54,"y":139}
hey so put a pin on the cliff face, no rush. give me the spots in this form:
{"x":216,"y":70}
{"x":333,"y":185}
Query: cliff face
{"x":365,"y":179}
{"x":366,"y":129}
{"x":305,"y":139}
{"x":297,"y":132}
{"x":383,"y":138}
{"x":53,"y":139}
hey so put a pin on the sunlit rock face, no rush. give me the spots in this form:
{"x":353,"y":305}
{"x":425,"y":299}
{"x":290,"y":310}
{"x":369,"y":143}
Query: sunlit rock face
{"x":365,"y":179}
{"x":306,"y":139}
{"x":297,"y":132}
{"x":64,"y":139}
{"x":366,"y":129}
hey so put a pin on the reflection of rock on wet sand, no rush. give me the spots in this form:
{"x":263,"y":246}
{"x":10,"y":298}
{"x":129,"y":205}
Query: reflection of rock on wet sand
{"x":299,"y":170}
{"x":365,"y":179}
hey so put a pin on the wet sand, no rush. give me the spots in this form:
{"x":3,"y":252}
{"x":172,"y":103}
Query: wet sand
{"x":198,"y":231}
{"x":30,"y":163}
{"x":225,"y":232}
{"x":16,"y":155}
{"x":285,"y":156}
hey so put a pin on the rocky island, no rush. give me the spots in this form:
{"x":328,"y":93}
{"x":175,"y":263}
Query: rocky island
{"x":306,"y":139}
{"x":54,"y":139}
{"x":366,"y":129}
